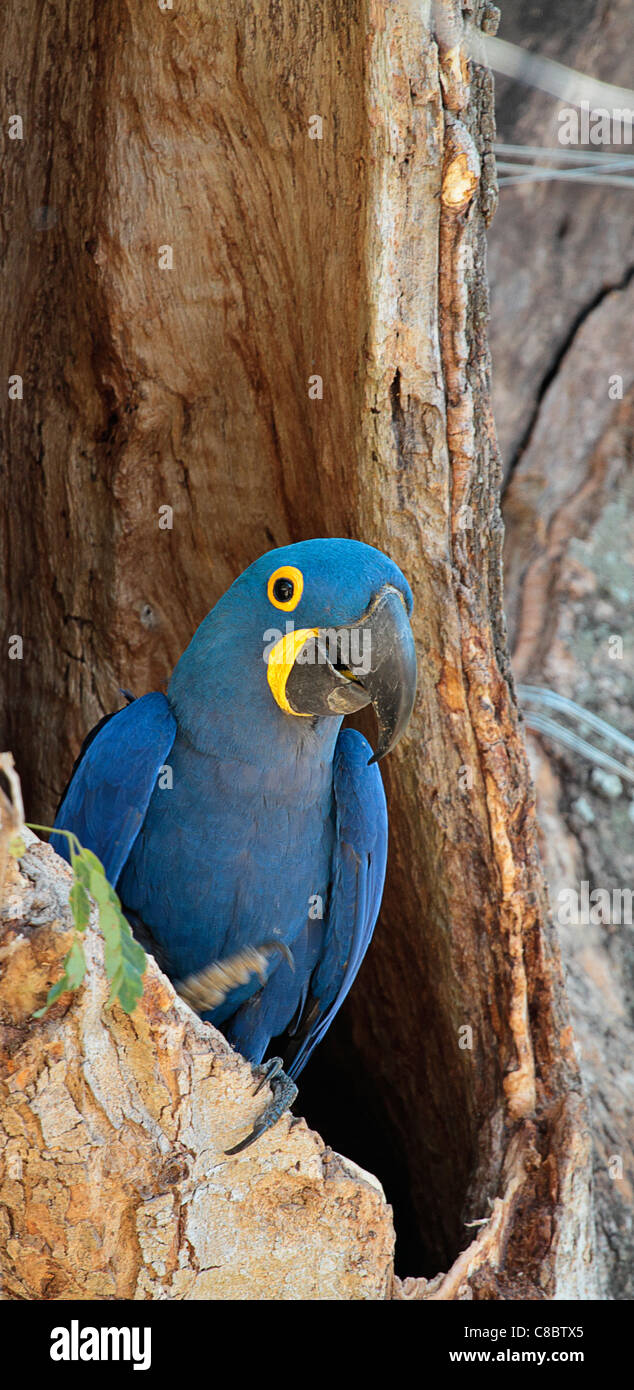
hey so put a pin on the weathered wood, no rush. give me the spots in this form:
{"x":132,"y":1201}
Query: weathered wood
{"x":114,"y":1182}
{"x":564,"y":406}
{"x":357,"y":258}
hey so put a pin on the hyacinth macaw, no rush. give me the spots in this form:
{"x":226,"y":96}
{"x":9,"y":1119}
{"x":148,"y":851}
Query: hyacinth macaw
{"x":244,"y":830}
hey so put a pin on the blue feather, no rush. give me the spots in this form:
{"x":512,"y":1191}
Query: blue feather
{"x":358,"y":875}
{"x":265,"y":814}
{"x":110,"y":792}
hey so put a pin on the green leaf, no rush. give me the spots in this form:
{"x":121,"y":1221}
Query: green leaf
{"x":74,"y":971}
{"x":110,"y":918}
{"x":130,"y":991}
{"x":99,"y":887}
{"x":125,"y":959}
{"x":17,"y":847}
{"x":131,"y":951}
{"x":80,"y":870}
{"x":94,"y":864}
{"x":53,"y":994}
{"x":109,"y":922}
{"x":115,"y":984}
{"x":112,"y":959}
{"x":79,"y":905}
{"x":75,"y":965}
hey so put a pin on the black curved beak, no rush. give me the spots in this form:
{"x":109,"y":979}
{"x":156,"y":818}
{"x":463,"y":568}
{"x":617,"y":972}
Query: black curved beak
{"x":339,"y":670}
{"x":391,"y":680}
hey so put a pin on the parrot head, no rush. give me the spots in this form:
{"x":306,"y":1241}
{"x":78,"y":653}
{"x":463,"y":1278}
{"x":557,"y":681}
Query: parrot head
{"x":309,"y":632}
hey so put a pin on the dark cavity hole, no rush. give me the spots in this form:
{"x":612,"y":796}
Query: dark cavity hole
{"x":421,"y":1149}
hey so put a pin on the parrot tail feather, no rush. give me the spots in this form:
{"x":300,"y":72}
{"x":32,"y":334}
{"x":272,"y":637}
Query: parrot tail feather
{"x":209,"y":988}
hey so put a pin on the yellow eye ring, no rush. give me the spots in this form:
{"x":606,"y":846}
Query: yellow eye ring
{"x":289,"y":583}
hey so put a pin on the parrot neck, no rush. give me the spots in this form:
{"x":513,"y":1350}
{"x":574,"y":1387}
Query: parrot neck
{"x":226,"y":709}
{"x":276,"y":743}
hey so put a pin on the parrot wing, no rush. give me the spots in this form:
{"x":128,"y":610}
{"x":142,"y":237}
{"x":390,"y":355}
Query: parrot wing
{"x":357,"y":887}
{"x":113,"y":779}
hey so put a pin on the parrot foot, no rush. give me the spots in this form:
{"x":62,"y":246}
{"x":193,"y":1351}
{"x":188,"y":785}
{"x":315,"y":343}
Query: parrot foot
{"x":284,"y":1093}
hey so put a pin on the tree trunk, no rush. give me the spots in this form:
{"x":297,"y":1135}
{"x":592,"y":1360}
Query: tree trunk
{"x":564,"y":405}
{"x":156,"y":138}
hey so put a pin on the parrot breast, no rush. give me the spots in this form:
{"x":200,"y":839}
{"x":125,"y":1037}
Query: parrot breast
{"x":233,"y":854}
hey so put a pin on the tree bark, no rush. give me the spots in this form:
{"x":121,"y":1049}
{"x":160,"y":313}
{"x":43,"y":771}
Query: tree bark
{"x":564,"y":406}
{"x":357,"y":258}
{"x":113,"y":1130}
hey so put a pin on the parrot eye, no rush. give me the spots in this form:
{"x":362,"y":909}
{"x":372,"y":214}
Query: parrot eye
{"x":283,"y":590}
{"x":285,"y":587}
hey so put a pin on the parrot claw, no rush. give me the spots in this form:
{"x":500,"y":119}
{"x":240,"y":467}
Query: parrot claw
{"x":284,"y":1093}
{"x":270,"y":1070}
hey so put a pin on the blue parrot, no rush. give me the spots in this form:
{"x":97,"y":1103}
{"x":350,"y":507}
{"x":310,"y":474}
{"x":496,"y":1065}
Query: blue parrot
{"x":244,"y":830}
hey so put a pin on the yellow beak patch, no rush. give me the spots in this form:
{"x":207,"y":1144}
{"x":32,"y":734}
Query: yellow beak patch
{"x":281,"y":659}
